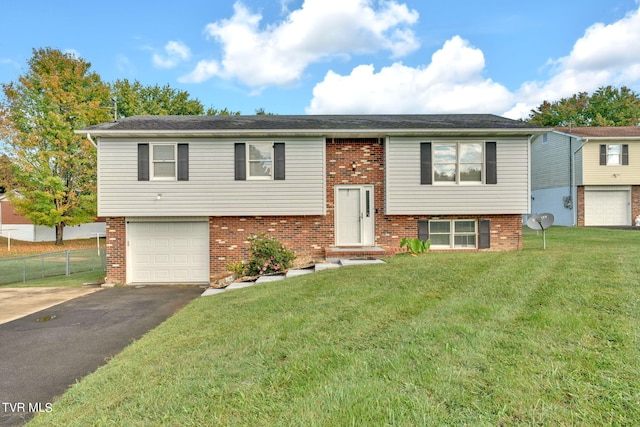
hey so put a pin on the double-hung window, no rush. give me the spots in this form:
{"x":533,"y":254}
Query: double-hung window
{"x":614,"y":154}
{"x":260,"y":160}
{"x":163,"y":161}
{"x":458,"y":162}
{"x":456,"y":234}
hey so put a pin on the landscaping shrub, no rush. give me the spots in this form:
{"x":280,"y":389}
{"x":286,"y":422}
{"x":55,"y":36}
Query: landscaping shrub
{"x":267,"y":255}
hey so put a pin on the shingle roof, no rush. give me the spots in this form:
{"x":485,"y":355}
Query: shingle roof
{"x":310,"y":122}
{"x":602,"y":131}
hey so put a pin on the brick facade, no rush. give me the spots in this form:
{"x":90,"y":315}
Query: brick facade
{"x":635,"y":203}
{"x":349,"y":162}
{"x":116,"y":246}
{"x":580,"y":206}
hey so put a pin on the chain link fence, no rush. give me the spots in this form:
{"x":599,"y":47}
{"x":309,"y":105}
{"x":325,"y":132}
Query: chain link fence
{"x":63,"y":263}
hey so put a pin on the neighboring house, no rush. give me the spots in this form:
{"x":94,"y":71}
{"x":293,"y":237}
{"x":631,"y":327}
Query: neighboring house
{"x":587,"y":176}
{"x":182,"y":194}
{"x":14,"y":225}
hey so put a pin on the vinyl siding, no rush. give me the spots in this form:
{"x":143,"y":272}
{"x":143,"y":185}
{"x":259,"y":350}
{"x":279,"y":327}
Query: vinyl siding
{"x":405,"y":195}
{"x":211,"y":189}
{"x":595,"y":174}
{"x":550,"y":165}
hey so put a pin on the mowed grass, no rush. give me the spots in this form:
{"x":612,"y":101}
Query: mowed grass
{"x":530,"y":337}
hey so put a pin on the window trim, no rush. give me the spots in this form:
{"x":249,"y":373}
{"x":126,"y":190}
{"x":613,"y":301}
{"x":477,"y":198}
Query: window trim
{"x":483,"y":172}
{"x":623,"y":155}
{"x":452,"y":233}
{"x":248,"y":161}
{"x":152,"y":162}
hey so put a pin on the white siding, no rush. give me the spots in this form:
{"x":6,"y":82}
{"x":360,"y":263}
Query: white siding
{"x":406,"y":196}
{"x":211,"y":189}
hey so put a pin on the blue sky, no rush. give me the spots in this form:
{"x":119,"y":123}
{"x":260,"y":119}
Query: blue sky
{"x":342,"y":56}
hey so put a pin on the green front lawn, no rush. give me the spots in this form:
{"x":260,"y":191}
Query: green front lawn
{"x":519,"y":338}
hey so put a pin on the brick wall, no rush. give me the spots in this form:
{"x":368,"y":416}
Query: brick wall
{"x":580,"y":206}
{"x":635,"y":202}
{"x":116,"y":245}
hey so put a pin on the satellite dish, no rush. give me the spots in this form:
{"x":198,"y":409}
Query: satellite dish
{"x":541,"y":222}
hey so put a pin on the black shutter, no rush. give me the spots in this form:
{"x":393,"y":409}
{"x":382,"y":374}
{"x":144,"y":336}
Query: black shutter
{"x":484,"y":242}
{"x":491,"y":163}
{"x":603,"y":154}
{"x":240,"y":162}
{"x":143,"y":162}
{"x":183,"y":162}
{"x":425,"y":164}
{"x":423,"y":229}
{"x":278,"y":163}
{"x":625,"y":154}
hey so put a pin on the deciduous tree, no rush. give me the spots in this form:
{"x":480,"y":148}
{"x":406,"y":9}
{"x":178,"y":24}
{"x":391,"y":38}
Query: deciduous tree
{"x":607,"y":106}
{"x":54,"y":169}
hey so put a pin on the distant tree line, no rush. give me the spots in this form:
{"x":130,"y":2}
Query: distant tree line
{"x":607,"y":106}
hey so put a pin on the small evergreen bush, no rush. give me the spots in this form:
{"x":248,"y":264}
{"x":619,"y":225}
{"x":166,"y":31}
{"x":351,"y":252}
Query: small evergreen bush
{"x":267,"y":255}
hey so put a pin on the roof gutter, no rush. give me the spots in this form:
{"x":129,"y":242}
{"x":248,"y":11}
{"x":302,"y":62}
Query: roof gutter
{"x":173,"y":133}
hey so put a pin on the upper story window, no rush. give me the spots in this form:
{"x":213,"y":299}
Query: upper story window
{"x":163,"y":161}
{"x":259,"y":160}
{"x":614,"y":154}
{"x":458,"y":162}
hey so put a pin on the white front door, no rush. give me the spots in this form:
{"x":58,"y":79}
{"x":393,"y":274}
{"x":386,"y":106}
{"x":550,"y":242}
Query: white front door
{"x":354,"y":215}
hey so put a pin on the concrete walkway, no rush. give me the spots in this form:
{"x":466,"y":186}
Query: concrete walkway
{"x":20,"y":302}
{"x":293,"y":273}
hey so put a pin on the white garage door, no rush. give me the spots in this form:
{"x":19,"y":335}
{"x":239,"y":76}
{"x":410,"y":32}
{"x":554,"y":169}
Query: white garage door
{"x":606,"y":208}
{"x":168,"y":252}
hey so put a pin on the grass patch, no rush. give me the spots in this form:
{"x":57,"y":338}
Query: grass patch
{"x":530,"y":337}
{"x":77,"y":279}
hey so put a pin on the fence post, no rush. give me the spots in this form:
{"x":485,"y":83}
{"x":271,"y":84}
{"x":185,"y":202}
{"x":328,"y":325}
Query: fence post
{"x":68,"y":260}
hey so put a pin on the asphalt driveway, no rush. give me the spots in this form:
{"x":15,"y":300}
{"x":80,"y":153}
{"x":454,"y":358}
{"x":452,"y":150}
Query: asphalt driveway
{"x":45,"y":352}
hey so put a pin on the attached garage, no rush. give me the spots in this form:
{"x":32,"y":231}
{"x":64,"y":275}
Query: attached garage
{"x":168,"y":251}
{"x":607,"y":206}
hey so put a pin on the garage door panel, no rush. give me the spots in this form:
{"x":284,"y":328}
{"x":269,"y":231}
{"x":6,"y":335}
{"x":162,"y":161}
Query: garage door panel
{"x":606,"y":208}
{"x":168,"y":252}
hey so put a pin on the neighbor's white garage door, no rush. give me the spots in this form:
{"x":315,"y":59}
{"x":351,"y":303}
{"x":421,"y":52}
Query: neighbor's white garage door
{"x":168,"y":252}
{"x":606,"y":208}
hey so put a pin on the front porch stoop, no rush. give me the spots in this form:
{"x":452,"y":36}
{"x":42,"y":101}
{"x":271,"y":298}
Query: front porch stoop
{"x":334,"y":254}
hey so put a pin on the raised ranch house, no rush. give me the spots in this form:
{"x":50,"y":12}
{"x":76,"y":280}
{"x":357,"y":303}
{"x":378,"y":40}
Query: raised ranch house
{"x":181,"y":194}
{"x":587,"y":176}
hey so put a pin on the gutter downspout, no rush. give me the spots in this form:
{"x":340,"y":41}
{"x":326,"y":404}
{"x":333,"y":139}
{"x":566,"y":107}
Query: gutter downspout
{"x":91,"y":140}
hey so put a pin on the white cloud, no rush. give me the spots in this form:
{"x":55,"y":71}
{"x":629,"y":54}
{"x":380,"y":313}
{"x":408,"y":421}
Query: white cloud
{"x":451,"y":83}
{"x":605,"y":55}
{"x":278,"y":54}
{"x":175,"y":52}
{"x":454,"y":79}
